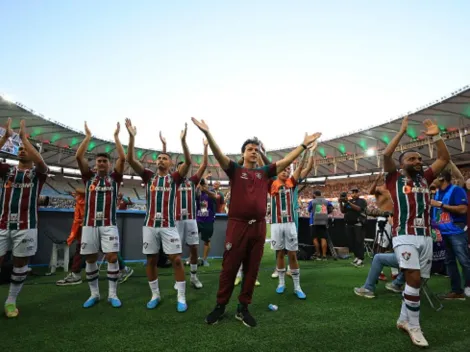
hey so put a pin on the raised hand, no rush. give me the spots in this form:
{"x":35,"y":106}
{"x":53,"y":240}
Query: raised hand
{"x":162,"y":139}
{"x":22,"y":132}
{"x":131,"y":129}
{"x":201,"y":125}
{"x":404,"y":125}
{"x":87,"y":130}
{"x":312,"y":138}
{"x":431,"y":128}
{"x":184,"y":132}
{"x":313,"y":147}
{"x":205,"y":142}
{"x":8,"y":130}
{"x":118,"y":129}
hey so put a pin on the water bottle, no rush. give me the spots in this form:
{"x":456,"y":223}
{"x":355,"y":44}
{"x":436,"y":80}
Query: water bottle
{"x":272,"y":307}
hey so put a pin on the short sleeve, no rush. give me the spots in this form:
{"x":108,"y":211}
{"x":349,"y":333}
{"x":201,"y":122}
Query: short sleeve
{"x":40,"y":175}
{"x":459,"y":197}
{"x":4,"y":168}
{"x":230,"y":171}
{"x":293,"y":181}
{"x":271,"y":170}
{"x":429,"y":175}
{"x":147,"y":175}
{"x":177,"y":177}
{"x":390,"y":179}
{"x":116,"y":176}
{"x":220,"y":195}
{"x":87,"y":176}
{"x":195,"y":179}
{"x":363,"y":204}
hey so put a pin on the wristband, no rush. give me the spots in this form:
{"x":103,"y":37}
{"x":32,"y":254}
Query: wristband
{"x":303,"y":146}
{"x":436,"y":138}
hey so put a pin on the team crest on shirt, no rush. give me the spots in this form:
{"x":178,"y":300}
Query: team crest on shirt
{"x":406,"y":255}
{"x":228,"y":246}
{"x":258,"y":175}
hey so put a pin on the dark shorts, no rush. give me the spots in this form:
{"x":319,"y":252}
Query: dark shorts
{"x":319,"y":231}
{"x":206,"y":229}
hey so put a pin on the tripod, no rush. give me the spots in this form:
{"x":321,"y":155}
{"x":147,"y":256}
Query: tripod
{"x":380,"y":235}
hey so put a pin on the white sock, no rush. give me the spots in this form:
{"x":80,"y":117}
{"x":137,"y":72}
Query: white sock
{"x":181,"y":286}
{"x":296,"y":278}
{"x":403,"y":311}
{"x":394,"y":271}
{"x":18,"y":277}
{"x":282,"y":276}
{"x":154,"y":288}
{"x":92,"y":275}
{"x":113,"y":276}
{"x":412,"y":302}
{"x":288,"y":268}
{"x":193,"y":268}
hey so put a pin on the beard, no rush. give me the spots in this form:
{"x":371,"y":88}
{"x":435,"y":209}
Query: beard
{"x":413,"y":173}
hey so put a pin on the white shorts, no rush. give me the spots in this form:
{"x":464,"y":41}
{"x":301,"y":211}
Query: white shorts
{"x":383,"y":240}
{"x":93,"y":237}
{"x":188,"y":232}
{"x":414,"y":252}
{"x":152,"y":236}
{"x":284,"y":236}
{"x":23,"y":243}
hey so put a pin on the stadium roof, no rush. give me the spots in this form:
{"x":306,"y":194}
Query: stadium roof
{"x":451,"y":113}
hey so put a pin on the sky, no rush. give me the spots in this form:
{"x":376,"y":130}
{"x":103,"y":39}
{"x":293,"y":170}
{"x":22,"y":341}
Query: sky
{"x":271,"y":69}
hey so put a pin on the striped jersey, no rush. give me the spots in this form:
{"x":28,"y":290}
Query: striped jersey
{"x":282,"y":201}
{"x":19,"y":197}
{"x":160,"y":194}
{"x":186,"y":199}
{"x":411,"y":203}
{"x":101,"y":198}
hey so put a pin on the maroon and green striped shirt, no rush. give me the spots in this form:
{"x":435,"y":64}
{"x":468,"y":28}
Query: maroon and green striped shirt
{"x":411,"y":203}
{"x":160,"y":194}
{"x":19,"y":197}
{"x":186,"y":199}
{"x":101,"y":198}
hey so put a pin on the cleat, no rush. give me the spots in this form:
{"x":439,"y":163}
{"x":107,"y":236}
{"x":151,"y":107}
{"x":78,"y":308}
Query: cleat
{"x":275,"y":274}
{"x":175,"y":287}
{"x":280,"y":289}
{"x":90,"y":302}
{"x":394,"y":288}
{"x":181,"y":307}
{"x":70,"y":280}
{"x":196,"y":283}
{"x":11,"y":311}
{"x":238,"y":280}
{"x":125,"y":274}
{"x":382,"y":277}
{"x":300,"y":294}
{"x":402,"y":325}
{"x":257,"y":283}
{"x":417,"y":337}
{"x":115,"y":302}
{"x":153,"y":303}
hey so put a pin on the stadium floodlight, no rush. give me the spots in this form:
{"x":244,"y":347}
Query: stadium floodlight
{"x":370,"y":152}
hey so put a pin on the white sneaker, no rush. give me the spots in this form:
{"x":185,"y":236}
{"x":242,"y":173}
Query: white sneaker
{"x":467,"y":291}
{"x":275,"y":274}
{"x":175,"y":287}
{"x":417,"y":337}
{"x":195,"y":282}
{"x":402,"y":325}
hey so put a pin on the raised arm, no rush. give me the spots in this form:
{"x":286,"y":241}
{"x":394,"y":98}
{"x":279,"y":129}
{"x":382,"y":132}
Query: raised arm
{"x":80,"y":155}
{"x":443,"y":156}
{"x":8,"y":133}
{"x":373,"y":188}
{"x":289,"y":158}
{"x":306,"y":170}
{"x":121,"y":162}
{"x":459,"y":180}
{"x":223,"y":160}
{"x":32,"y":152}
{"x":262,"y":155}
{"x":205,"y":160}
{"x":389,"y":163}
{"x":298,"y":171}
{"x":133,"y":162}
{"x":184,"y":168}
{"x":163,"y":140}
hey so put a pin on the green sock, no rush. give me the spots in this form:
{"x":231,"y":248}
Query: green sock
{"x":121,"y":262}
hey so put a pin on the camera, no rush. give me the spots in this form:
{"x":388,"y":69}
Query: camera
{"x":202,"y":182}
{"x":343,"y":197}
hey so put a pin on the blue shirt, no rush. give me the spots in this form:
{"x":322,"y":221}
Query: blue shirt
{"x":458,"y":197}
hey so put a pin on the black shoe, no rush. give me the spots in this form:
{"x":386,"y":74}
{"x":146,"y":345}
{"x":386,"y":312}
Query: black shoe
{"x":216,"y":314}
{"x":245,"y":317}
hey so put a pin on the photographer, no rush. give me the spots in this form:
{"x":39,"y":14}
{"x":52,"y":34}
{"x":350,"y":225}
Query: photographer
{"x":355,"y":219}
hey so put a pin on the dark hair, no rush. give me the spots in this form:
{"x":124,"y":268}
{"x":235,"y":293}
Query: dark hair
{"x":317,"y":193}
{"x":168,"y":155}
{"x":103,"y":155}
{"x":253,"y":140}
{"x":181,"y":162}
{"x":402,"y":155}
{"x":446,"y":175}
